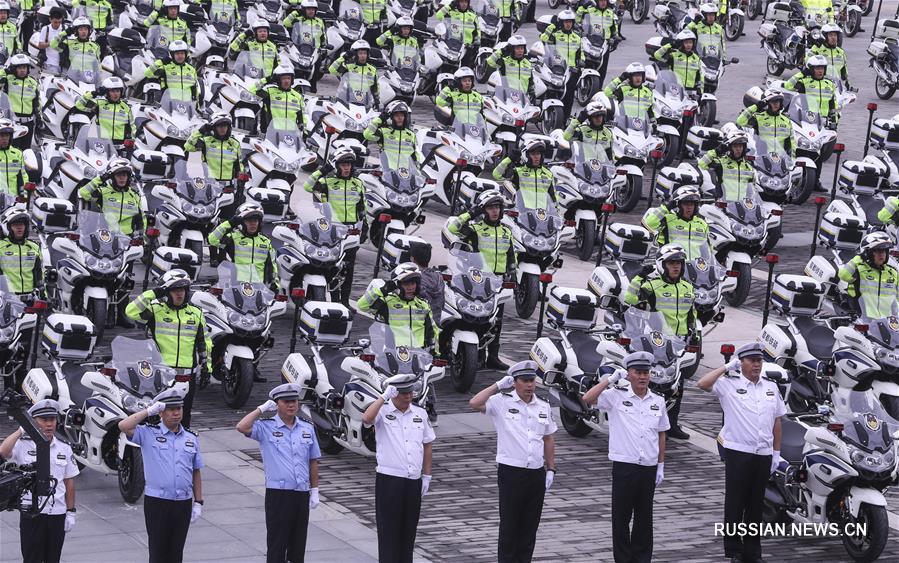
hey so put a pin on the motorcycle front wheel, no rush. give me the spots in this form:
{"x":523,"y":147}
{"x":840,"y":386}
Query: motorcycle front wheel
{"x":744,"y":280}
{"x":672,"y":149}
{"x":586,"y":89}
{"x":869,"y":547}
{"x":96,"y":310}
{"x":853,"y":23}
{"x":884,"y":89}
{"x":639,"y":10}
{"x":806,"y":188}
{"x":465,"y":366}
{"x":626,"y":199}
{"x":238,"y":383}
{"x":586,"y":239}
{"x":754,"y":9}
{"x":481,"y":70}
{"x":707,"y":112}
{"x":131,"y":475}
{"x":573,"y":424}
{"x":526,"y":295}
{"x":734,"y":28}
{"x":553,"y":4}
{"x":552,"y":120}
{"x":869,"y":5}
{"x":774,"y":68}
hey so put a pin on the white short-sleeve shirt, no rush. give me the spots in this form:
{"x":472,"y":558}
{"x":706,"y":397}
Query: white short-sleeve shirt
{"x":750,"y":410}
{"x":634,"y":424}
{"x":401,"y":437}
{"x":62,"y":466}
{"x":520,"y":428}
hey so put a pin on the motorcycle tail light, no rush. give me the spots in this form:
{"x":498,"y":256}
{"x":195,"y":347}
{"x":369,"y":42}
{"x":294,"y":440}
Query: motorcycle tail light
{"x":29,"y":186}
{"x":777,"y":212}
{"x":354,"y":231}
{"x":688,"y":113}
{"x":546,"y":278}
{"x":519,"y":123}
{"x":510,"y":285}
{"x":171,"y":185}
{"x":721,"y":204}
{"x":137,"y":242}
{"x":281,"y":298}
{"x":108,"y":372}
{"x":293,"y":226}
{"x":243,"y":177}
{"x":750,"y":157}
{"x":330,"y":130}
{"x":861,"y":327}
{"x":21,"y":199}
{"x":128,"y":143}
{"x":73,"y":236}
{"x":608,"y":208}
{"x":367,"y":357}
{"x":185,"y":378}
{"x":772,"y":258}
{"x":569,"y":165}
{"x":511,"y":213}
{"x":376,"y":173}
{"x":621,"y":172}
{"x":227,"y":190}
{"x":872,"y":106}
{"x":215,"y":290}
{"x":820,"y":200}
{"x":430,"y":181}
{"x":802,"y":475}
{"x":800,"y":163}
{"x":570,"y":222}
{"x":835,"y":427}
{"x":447,"y":277}
{"x":298,"y":293}
{"x":385,"y":218}
{"x":461,"y":162}
{"x":692,"y":349}
{"x":624,"y":341}
{"x":733,"y":273}
{"x":37,"y":307}
{"x":656,"y":154}
{"x":439,"y":363}
{"x":839,"y":147}
{"x":727,"y":349}
{"x":153,"y":233}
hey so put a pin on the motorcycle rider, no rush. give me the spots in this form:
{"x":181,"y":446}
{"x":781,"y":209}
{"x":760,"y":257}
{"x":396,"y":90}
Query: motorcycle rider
{"x":173,"y":27}
{"x":222,"y":10}
{"x":463,"y":102}
{"x":493,"y":241}
{"x":681,"y":225}
{"x":9,"y":33}
{"x":830,"y":49}
{"x":819,"y":90}
{"x":99,"y":11}
{"x":12,"y":162}
{"x":402,"y":36}
{"x":359,"y":65}
{"x":873,"y":283}
{"x":709,"y":33}
{"x":177,"y":327}
{"x":176,"y":76}
{"x":307,"y":17}
{"x":533,"y":177}
{"x":221,"y":151}
{"x":80,"y":43}
{"x":282,"y":104}
{"x":397,"y":140}
{"x":734,"y":175}
{"x":346,"y":194}
{"x":681,"y":58}
{"x":768,"y":120}
{"x":117,"y":196}
{"x":671,"y":295}
{"x":113,"y":113}
{"x":397,"y":303}
{"x":463,"y":25}
{"x":242,"y":242}
{"x":514,"y":66}
{"x":592,"y":129}
{"x":374,"y":13}
{"x":259,"y":46}
{"x":600,"y":11}
{"x":629,"y":90}
{"x":568,"y":45}
{"x":507,"y":9}
{"x":22,"y":90}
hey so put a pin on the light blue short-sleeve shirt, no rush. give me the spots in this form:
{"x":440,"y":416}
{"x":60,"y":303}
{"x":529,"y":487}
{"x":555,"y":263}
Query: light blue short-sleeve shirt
{"x":170,"y":459}
{"x":286,"y":452}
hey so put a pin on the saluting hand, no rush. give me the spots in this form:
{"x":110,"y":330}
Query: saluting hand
{"x":733,"y":365}
{"x":268,"y":406}
{"x":390,"y":393}
{"x":616,"y":376}
{"x":505,"y":383}
{"x":155,"y":408}
{"x":313,"y":498}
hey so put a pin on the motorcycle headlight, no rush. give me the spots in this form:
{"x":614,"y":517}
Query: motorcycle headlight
{"x":807,"y":144}
{"x":474,"y":307}
{"x":352,"y":125}
{"x":631,"y":152}
{"x":7,"y":333}
{"x":467,"y":156}
{"x":556,"y":80}
{"x":870,"y":461}
{"x":668,"y":112}
{"x":90,"y":261}
{"x":132,"y":404}
{"x":400,"y":200}
{"x":172,"y":131}
{"x":772,"y":181}
{"x":507,"y":119}
{"x":284,"y":166}
{"x":234,"y":317}
{"x":661,"y":375}
{"x":90,"y":172}
{"x":245,"y":96}
{"x":202,"y":210}
{"x":887,"y":356}
{"x":592,"y":190}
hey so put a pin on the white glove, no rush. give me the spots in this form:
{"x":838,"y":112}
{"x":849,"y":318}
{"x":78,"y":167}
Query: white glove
{"x":313,"y":498}
{"x":733,"y":365}
{"x":425,"y":485}
{"x":155,"y":408}
{"x":507,"y":382}
{"x":389,"y":393}
{"x":775,"y":460}
{"x":660,"y":473}
{"x":617,"y":376}
{"x":70,"y":522}
{"x":268,"y":406}
{"x":550,"y":475}
{"x":196,"y":512}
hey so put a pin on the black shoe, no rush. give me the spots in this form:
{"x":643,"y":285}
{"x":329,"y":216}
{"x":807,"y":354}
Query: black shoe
{"x":677,"y":433}
{"x":736,"y":559}
{"x":259,"y":379}
{"x":757,"y":559}
{"x":125,"y":322}
{"x":494,"y":362}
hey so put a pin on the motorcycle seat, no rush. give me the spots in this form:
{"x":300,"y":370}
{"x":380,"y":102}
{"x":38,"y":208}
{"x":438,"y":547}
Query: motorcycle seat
{"x":819,"y":338}
{"x":332,"y":358}
{"x":78,"y":393}
{"x":871,"y":206}
{"x":792,"y":441}
{"x":584,"y":346}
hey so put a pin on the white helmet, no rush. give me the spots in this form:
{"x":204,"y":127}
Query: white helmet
{"x":80,"y":21}
{"x":532,"y":145}
{"x":171,"y":4}
{"x":684,"y":35}
{"x":490,"y":197}
{"x":283,"y":69}
{"x":404,"y":21}
{"x":309,"y":4}
{"x":119,"y":165}
{"x":19,"y":59}
{"x":173,"y":279}
{"x":7,"y":126}
{"x":4,"y":6}
{"x":218,"y":118}
{"x":683,"y":194}
{"x":669,"y":253}
{"x":596,"y":108}
{"x":708,"y":8}
{"x":398,"y":106}
{"x":343,"y":154}
{"x":250,"y":210}
{"x":113,"y":83}
{"x":360,"y":44}
{"x":15,"y":214}
{"x":260,"y":23}
{"x":517,"y":41}
{"x":816,"y":60}
{"x":178,"y":45}
{"x":566,"y":15}
{"x":735,"y":137}
{"x":635,"y":68}
{"x":830,"y":28}
{"x":875,"y":241}
{"x":463,"y":72}
{"x":405,"y":272}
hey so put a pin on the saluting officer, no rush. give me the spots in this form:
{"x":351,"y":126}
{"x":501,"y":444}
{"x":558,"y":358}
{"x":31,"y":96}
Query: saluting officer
{"x":173,"y":494}
{"x":525,"y":457}
{"x":751,"y":434}
{"x":404,"y":437}
{"x":290,"y":455}
{"x":638,"y":421}
{"x":41,"y":535}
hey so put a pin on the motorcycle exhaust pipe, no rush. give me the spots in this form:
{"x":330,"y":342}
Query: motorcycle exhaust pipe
{"x":872,"y":107}
{"x":772,"y":260}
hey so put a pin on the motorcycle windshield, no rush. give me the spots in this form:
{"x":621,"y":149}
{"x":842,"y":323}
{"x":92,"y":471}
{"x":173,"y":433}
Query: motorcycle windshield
{"x":402,"y":175}
{"x":221,"y":16}
{"x":668,"y":86}
{"x":474,"y":131}
{"x":11,"y":307}
{"x":552,"y":60}
{"x":709,"y":53}
{"x":702,"y":268}
{"x":510,"y":95}
{"x":178,"y":104}
{"x":249,"y":65}
{"x":158,"y":41}
{"x":649,"y":332}
{"x":143,"y":7}
{"x":289,"y":140}
{"x":305,"y":37}
{"x":96,"y":150}
{"x":638,"y":123}
{"x":866,"y":424}
{"x":84,"y":68}
{"x":771,"y":159}
{"x":471,"y":277}
{"x":355,"y":89}
{"x":323,"y":232}
{"x":544,"y":221}
{"x":100,"y":238}
{"x":748,"y":209}
{"x":139,"y":366}
{"x":243,"y":290}
{"x":593,"y":29}
{"x":884,"y":331}
{"x":394,"y":357}
{"x":805,"y":110}
{"x":592,"y":163}
{"x":405,"y":60}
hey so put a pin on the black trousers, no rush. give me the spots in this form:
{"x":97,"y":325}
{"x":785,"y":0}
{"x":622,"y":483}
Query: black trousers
{"x":674,"y":413}
{"x":41,"y":537}
{"x":493,"y":347}
{"x":167,"y":524}
{"x":286,"y":522}
{"x":397,"y":508}
{"x":189,"y":399}
{"x":745,"y":478}
{"x":633,"y":488}
{"x":521,"y":493}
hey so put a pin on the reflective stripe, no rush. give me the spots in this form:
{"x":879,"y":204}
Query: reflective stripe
{"x":736,"y":178}
{"x":535,"y":185}
{"x":517,"y":73}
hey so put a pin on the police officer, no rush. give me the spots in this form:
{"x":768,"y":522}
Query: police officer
{"x":734,"y":175}
{"x":397,"y":140}
{"x":493,"y":241}
{"x":244,"y":244}
{"x":404,"y":442}
{"x":671,"y":295}
{"x":22,"y":90}
{"x":568,"y":45}
{"x":12,"y":162}
{"x":74,"y":44}
{"x":709,"y":33}
{"x":432,"y":284}
{"x":173,"y":26}
{"x":514,"y":66}
{"x":345,"y":193}
{"x":751,"y":437}
{"x":264,"y":51}
{"x":820,"y":91}
{"x":41,"y":536}
{"x":290,"y":455}
{"x":178,"y":328}
{"x":681,"y":225}
{"x":373,"y":17}
{"x":359,"y":67}
{"x":681,"y":58}
{"x":221,"y":150}
{"x":629,"y":90}
{"x":177,"y":76}
{"x":592,"y":131}
{"x":282,"y":104}
{"x":9,"y":34}
{"x":525,"y":457}
{"x":601,"y":12}
{"x":113,"y":113}
{"x":768,"y":120}
{"x":99,"y":12}
{"x":873,"y":283}
{"x":509,"y":12}
{"x":397,"y":303}
{"x":533,"y":179}
{"x":637,"y":425}
{"x":309,"y":24}
{"x":402,"y":37}
{"x":463,"y":101}
{"x":173,"y":493}
{"x":117,"y":197}
{"x":462,"y":25}
{"x":830,"y":49}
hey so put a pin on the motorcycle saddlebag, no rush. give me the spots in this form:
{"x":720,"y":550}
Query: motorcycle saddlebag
{"x":324,"y":322}
{"x":885,"y":134}
{"x":68,"y":337}
{"x":701,"y":140}
{"x":778,"y":11}
{"x":841,"y":231}
{"x":670,"y":178}
{"x":767,"y":30}
{"x":878,"y":49}
{"x":606,"y":281}
{"x":652,"y":45}
{"x":863,"y":177}
{"x":777,"y":342}
{"x":550,"y":358}
{"x":797,"y":295}
{"x":572,"y":308}
{"x":396,"y":249}
{"x":52,"y":215}
{"x":628,"y":242}
{"x":166,"y":258}
{"x":887,"y":29}
{"x":273,"y":201}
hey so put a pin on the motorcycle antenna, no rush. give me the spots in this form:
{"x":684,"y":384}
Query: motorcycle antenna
{"x":38,"y":307}
{"x":296,"y":294}
{"x":838,"y":149}
{"x":872,"y":107}
{"x":877,"y":18}
{"x":819,"y":204}
{"x":772,"y":260}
